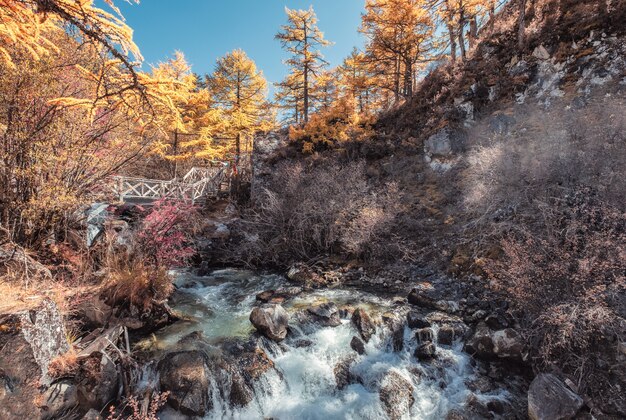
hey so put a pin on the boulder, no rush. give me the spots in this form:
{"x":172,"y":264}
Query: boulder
{"x":425,"y":351}
{"x":59,"y":399}
{"x":92,"y":415}
{"x":395,"y":323}
{"x":481,"y":343}
{"x":98,"y":385}
{"x":363,"y":323}
{"x":357,"y":345}
{"x":550,"y":399}
{"x":271,"y":320}
{"x":326,"y":314}
{"x":418,"y":298}
{"x":446,"y":335}
{"x":240,"y":393}
{"x":508,"y":344}
{"x":445,"y":142}
{"x":396,"y":395}
{"x":186,"y":376}
{"x":415,"y":320}
{"x":424,"y":335}
{"x":343,"y":377}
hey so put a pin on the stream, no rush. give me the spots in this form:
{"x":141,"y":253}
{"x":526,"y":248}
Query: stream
{"x":303,"y":383}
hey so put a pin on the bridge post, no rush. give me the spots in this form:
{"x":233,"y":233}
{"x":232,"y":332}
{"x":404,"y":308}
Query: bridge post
{"x":120,"y":188}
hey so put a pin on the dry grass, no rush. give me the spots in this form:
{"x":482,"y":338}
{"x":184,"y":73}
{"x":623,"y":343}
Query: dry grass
{"x":136,"y":283}
{"x":64,"y":365}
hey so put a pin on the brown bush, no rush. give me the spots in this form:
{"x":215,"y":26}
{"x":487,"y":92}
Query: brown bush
{"x":310,"y":213}
{"x":133,"y":282}
{"x":563,"y":282}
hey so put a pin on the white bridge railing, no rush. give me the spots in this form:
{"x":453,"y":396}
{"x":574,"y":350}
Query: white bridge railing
{"x":197,"y":184}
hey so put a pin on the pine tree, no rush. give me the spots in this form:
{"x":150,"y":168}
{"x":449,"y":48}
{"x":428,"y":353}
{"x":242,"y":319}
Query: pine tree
{"x":302,"y":39}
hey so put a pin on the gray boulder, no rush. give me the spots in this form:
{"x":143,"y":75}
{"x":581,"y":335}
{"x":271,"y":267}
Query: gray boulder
{"x":445,"y":142}
{"x":508,"y":344}
{"x":270,"y":320}
{"x":550,"y":399}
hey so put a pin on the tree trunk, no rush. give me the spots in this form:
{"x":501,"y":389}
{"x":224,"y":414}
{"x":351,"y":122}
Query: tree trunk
{"x":237,"y":150}
{"x":306,"y":94}
{"x":396,"y":82}
{"x":452,"y":43}
{"x":175,"y":153}
{"x":461,"y":32}
{"x":521,"y":25}
{"x":408,"y":79}
{"x":473,"y":33}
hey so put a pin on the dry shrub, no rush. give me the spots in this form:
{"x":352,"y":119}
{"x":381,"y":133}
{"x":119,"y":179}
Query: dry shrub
{"x":549,"y":154}
{"x":135,"y":410}
{"x":564,"y":281}
{"x":134,"y":282}
{"x":309,"y":213}
{"x":64,"y":365}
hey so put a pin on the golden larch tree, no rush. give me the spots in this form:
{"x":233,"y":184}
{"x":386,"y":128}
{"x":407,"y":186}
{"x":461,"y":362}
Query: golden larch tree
{"x":239,"y":89}
{"x":302,"y":39}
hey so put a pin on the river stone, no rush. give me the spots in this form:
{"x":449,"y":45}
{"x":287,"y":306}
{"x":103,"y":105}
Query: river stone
{"x":549,"y":399}
{"x":425,"y":351}
{"x":416,"y":320}
{"x":424,"y":335}
{"x":326,"y":314}
{"x":343,"y":377}
{"x":357,"y":345}
{"x":363,"y":324}
{"x":445,"y":335}
{"x":271,"y":320}
{"x":240,"y":393}
{"x":186,"y":376}
{"x":396,"y":395}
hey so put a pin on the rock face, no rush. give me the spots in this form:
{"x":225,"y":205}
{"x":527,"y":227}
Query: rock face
{"x":264,"y":148}
{"x":29,"y":341}
{"x":270,"y":320}
{"x":363,"y":324}
{"x":550,"y":399}
{"x":326,"y":314}
{"x":396,"y":395}
{"x":186,"y":376}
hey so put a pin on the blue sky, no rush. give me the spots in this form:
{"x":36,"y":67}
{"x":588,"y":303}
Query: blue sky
{"x":207,"y":29}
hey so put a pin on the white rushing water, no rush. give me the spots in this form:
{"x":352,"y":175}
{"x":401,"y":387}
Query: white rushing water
{"x":303,"y":385}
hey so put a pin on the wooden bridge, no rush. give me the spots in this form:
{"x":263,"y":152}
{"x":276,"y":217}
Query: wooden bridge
{"x":196,"y":186}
